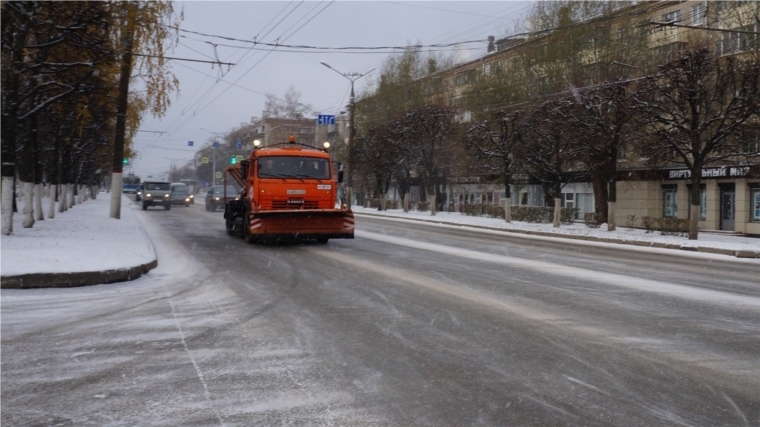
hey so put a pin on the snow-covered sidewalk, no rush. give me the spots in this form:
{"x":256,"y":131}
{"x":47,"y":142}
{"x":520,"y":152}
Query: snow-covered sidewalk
{"x":744,"y":247}
{"x":84,"y":239}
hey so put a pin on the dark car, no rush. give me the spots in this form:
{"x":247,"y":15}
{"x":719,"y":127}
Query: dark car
{"x":179,"y":195}
{"x":215,"y":196}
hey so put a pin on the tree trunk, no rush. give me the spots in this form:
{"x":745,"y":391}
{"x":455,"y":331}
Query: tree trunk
{"x":69,"y":196}
{"x":28,"y":204}
{"x":508,"y":209}
{"x":7,"y":205}
{"x":406,"y":202}
{"x":40,"y":214}
{"x":611,"y":201}
{"x":557,"y":212}
{"x":600,"y":195}
{"x":53,"y":191}
{"x":382,"y":201}
{"x":694,"y":201}
{"x":432,"y":205}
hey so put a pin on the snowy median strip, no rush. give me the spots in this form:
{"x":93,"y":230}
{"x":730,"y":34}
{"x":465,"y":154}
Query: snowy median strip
{"x":639,"y":284}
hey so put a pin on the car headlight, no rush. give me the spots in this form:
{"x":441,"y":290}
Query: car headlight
{"x":187,"y":199}
{"x":166,"y":195}
{"x":191,"y":196}
{"x":147,"y":195}
{"x":216,"y":198}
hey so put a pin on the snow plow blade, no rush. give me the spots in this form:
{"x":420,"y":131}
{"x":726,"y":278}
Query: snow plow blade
{"x":302,"y":224}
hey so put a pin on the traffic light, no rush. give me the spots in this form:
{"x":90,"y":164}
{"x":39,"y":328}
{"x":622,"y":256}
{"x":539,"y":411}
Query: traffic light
{"x":233,"y":160}
{"x":125,"y":161}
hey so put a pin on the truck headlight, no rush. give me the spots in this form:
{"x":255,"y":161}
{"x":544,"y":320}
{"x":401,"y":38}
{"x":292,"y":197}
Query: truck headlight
{"x":147,"y":196}
{"x":216,"y":198}
{"x":166,"y":195}
{"x":192,"y":197}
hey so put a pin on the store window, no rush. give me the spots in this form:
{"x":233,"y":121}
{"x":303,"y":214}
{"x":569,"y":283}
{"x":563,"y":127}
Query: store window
{"x":755,"y":204}
{"x":703,"y":204}
{"x":669,"y":202}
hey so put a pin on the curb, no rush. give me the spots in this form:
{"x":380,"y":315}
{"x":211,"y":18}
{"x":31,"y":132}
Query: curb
{"x":71,"y":280}
{"x":743,"y":253}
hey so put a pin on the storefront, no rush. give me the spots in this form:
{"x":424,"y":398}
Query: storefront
{"x":729,"y":195}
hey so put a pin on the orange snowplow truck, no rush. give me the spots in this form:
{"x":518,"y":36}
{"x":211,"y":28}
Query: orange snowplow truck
{"x":288,"y":193}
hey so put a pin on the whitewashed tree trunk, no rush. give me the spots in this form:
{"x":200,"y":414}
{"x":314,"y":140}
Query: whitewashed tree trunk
{"x":382,"y":202}
{"x":432,"y":205}
{"x":39,"y":213}
{"x":6,"y":208}
{"x":557,"y":212}
{"x":94,"y":192}
{"x":406,"y":202}
{"x":28,"y":204}
{"x":72,"y":199}
{"x":61,"y":198}
{"x":78,"y":192}
{"x":51,"y":210}
{"x":611,"y":225}
{"x":508,"y":209}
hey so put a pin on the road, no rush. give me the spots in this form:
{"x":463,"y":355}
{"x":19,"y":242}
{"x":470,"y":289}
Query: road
{"x":409,"y":324}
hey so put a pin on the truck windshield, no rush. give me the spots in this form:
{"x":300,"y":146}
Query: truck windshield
{"x":293,"y":167}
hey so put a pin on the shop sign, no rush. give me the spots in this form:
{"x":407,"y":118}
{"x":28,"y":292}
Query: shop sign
{"x":719,"y":172}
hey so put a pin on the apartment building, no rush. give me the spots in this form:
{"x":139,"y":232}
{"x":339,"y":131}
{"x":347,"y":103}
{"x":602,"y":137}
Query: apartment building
{"x":661,"y":29}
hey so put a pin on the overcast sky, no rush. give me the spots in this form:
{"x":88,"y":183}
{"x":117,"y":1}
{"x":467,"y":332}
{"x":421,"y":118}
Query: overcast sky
{"x":214,"y":100}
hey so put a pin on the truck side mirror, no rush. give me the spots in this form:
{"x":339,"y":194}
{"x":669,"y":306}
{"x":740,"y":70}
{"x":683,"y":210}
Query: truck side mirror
{"x":340,"y":177}
{"x":244,"y":168}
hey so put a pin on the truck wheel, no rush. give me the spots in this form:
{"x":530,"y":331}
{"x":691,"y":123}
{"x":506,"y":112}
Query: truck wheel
{"x":145,"y":206}
{"x":230,"y":227}
{"x":168,"y":207}
{"x":247,"y":236}
{"x":322,"y":240}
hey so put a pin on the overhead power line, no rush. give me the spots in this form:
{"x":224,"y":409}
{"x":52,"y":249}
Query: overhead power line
{"x":184,"y":59}
{"x":289,"y":46}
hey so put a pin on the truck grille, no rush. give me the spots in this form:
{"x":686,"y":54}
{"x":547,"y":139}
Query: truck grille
{"x":295,"y":204}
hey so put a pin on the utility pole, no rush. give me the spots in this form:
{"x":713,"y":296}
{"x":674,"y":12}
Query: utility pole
{"x":121,"y":111}
{"x":348,"y":167}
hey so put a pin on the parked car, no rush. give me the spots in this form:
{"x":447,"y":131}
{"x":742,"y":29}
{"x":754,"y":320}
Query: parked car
{"x":215,"y":196}
{"x":180,"y":194}
{"x":156,"y":193}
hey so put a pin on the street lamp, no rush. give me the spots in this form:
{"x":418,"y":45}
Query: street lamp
{"x":352,"y":77}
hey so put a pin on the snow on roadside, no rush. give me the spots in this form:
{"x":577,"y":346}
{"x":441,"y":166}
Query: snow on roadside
{"x":716,"y":241}
{"x":84,"y":238}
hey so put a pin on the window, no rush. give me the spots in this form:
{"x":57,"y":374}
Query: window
{"x":755,"y":200}
{"x":621,"y":153}
{"x":487,"y":68}
{"x":698,"y":14}
{"x":673,"y":16}
{"x":702,"y":204}
{"x":669,"y":202}
{"x":465,"y":77}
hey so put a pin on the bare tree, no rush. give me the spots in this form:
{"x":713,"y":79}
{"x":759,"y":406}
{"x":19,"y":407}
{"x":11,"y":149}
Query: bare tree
{"x":694,"y":112}
{"x":494,"y":143}
{"x":550,"y":151}
{"x":430,"y":134}
{"x":288,"y":107}
{"x":378,"y":154}
{"x":601,"y":117}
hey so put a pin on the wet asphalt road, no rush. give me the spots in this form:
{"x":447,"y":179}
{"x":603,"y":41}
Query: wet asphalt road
{"x":407,"y":325}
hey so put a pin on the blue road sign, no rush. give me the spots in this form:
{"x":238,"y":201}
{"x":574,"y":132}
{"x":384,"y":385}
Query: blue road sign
{"x":189,"y":143}
{"x":216,"y":144}
{"x":238,"y":144}
{"x":325,"y":119}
